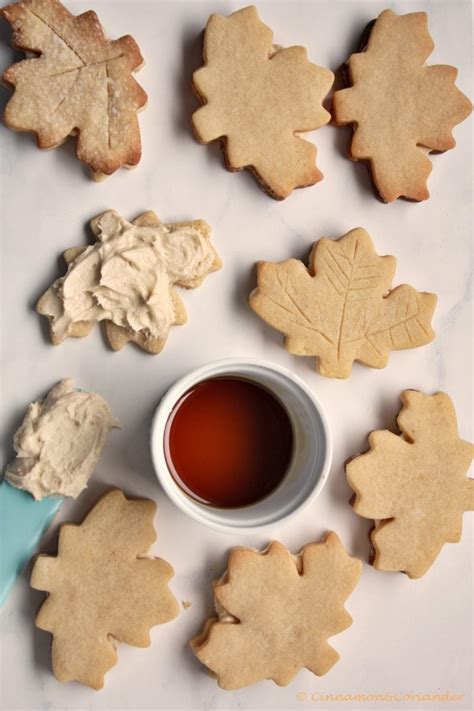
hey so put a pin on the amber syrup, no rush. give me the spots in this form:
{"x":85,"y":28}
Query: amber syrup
{"x":228,"y":442}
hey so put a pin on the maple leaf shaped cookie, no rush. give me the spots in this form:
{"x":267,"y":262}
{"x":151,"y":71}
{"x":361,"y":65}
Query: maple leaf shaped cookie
{"x":81,"y":83}
{"x":257,"y":99}
{"x":414,"y":484}
{"x":341,"y":309}
{"x":401,"y":109}
{"x":103,"y":588}
{"x":276,"y":612}
{"x":126,"y":279}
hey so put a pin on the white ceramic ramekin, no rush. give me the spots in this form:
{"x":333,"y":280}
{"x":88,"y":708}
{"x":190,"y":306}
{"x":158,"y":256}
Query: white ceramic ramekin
{"x":312,"y":450}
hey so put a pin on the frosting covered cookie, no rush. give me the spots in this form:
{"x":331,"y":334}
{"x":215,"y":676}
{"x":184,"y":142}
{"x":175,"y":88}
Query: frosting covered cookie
{"x":127,"y":279}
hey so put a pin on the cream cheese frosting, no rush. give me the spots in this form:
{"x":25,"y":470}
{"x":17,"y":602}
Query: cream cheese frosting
{"x":127,"y":276}
{"x":59,"y":442}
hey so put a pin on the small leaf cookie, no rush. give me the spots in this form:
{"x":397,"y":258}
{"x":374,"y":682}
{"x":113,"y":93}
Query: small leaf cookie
{"x":127,"y":279}
{"x":257,"y":99}
{"x":276,"y":612}
{"x":341,"y":308}
{"x":401,"y":109}
{"x":80,"y":83}
{"x":103,"y":588}
{"x":414,"y":484}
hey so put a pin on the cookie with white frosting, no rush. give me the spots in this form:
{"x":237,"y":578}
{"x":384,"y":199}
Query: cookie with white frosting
{"x":127,"y":279}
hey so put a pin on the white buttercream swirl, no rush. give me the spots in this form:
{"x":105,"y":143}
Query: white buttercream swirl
{"x":59,"y":442}
{"x":127,"y":275}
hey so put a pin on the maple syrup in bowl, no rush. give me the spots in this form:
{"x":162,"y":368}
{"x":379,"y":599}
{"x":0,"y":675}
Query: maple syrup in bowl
{"x":228,"y":442}
{"x":241,"y":444}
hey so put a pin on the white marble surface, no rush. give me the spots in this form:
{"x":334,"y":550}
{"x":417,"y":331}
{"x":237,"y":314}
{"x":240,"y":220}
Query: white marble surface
{"x":408,"y":637}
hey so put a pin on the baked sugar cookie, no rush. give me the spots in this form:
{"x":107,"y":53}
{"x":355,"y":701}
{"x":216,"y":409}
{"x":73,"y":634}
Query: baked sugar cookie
{"x":276,"y":612}
{"x":78,"y":83}
{"x":103,"y":588}
{"x":400,"y":108}
{"x":414,"y":484}
{"x":258,"y":99}
{"x":342,"y":307}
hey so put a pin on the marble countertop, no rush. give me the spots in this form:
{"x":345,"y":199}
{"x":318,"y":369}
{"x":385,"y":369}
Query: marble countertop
{"x":408,"y":637}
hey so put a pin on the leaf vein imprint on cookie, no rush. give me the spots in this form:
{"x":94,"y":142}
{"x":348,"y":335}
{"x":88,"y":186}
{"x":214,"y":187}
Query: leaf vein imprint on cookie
{"x":258,"y":99}
{"x":332,"y":315}
{"x":101,"y":101}
{"x":127,"y":279}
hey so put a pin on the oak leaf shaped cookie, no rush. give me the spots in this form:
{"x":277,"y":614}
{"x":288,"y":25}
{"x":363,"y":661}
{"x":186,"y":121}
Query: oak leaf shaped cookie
{"x":401,"y":109}
{"x":276,"y":613}
{"x":341,"y":309}
{"x":103,"y":588}
{"x":126,"y":279}
{"x":414,"y":484}
{"x":81,"y":83}
{"x":257,"y":99}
